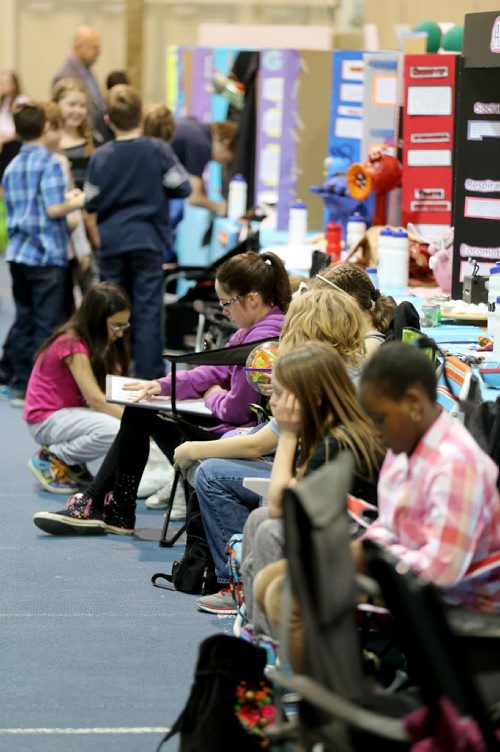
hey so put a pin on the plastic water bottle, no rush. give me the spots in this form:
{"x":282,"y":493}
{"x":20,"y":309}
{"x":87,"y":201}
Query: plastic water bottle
{"x":372,"y":273}
{"x":355,"y":230}
{"x":333,"y":236}
{"x":393,"y":259}
{"x":496,"y":330}
{"x":297,"y":224}
{"x":493,"y":293}
{"x":237,"y":199}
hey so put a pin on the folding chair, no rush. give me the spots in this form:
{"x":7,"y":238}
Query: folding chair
{"x":435,"y":654}
{"x":190,"y":430}
{"x":334,"y":694}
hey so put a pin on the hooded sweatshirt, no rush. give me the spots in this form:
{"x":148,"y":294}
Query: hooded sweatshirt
{"x":230,"y":406}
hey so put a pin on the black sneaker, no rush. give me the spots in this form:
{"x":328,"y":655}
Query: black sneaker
{"x":79,"y":518}
{"x":119,"y":520}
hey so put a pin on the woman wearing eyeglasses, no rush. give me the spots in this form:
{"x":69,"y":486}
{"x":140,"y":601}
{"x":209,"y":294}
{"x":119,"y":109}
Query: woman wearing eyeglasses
{"x":254,"y":293}
{"x":65,"y":408}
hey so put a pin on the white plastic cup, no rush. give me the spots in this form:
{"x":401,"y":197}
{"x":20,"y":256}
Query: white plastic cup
{"x":393,"y":259}
{"x":237,"y":198}
{"x":297,"y":224}
{"x":493,"y":293}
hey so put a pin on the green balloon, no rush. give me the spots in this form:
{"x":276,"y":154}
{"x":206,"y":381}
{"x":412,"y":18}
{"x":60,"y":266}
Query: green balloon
{"x":433,"y":34}
{"x":453,"y":40}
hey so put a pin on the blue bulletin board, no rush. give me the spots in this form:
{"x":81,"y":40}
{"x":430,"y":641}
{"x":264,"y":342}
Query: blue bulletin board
{"x":346,"y":114}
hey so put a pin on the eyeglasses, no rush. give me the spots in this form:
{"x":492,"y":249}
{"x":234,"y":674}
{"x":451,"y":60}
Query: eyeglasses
{"x":119,"y":327}
{"x":225,"y":303}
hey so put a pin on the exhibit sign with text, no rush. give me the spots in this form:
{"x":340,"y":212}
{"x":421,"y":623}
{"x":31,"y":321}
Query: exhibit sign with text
{"x":476,"y":209}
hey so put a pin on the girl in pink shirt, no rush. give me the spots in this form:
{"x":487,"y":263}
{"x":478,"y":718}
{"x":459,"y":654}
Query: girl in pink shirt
{"x":66,"y":409}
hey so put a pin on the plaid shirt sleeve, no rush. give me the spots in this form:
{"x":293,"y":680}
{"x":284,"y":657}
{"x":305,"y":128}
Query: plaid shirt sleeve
{"x":53,"y":184}
{"x":450,"y":524}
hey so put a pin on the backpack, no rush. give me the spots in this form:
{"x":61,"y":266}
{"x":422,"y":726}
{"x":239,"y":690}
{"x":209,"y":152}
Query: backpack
{"x":230,"y":702}
{"x":195,"y":572}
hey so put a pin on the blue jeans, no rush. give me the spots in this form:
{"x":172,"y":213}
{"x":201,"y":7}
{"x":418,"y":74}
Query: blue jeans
{"x":224,"y":503}
{"x":39,"y":296}
{"x":141,"y":275}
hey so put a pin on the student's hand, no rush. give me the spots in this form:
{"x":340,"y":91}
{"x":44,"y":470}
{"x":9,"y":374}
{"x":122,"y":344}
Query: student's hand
{"x":183,"y":458}
{"x":146,"y":389}
{"x":83,"y":263}
{"x":288,"y":414}
{"x":75,"y":198}
{"x":214,"y":388}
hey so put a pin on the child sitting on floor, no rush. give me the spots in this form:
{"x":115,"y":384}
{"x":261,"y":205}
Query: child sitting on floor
{"x":66,"y":408}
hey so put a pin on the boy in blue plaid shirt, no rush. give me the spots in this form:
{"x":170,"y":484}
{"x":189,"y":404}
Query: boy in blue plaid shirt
{"x":37,"y":206}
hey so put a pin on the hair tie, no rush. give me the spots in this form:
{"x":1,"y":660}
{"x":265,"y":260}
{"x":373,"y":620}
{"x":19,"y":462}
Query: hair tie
{"x":268,"y":262}
{"x":376,"y":294}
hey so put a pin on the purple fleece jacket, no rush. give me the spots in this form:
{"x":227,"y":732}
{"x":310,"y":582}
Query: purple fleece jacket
{"x":230,"y":406}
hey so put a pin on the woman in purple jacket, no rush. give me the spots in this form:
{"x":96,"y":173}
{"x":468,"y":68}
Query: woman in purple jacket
{"x":254,"y":293}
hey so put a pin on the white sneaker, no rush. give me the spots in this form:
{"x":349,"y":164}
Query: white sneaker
{"x":157,"y":473}
{"x":159,"y":499}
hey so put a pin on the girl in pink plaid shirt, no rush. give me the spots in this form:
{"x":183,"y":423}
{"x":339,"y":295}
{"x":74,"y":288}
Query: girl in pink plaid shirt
{"x":439,"y":508}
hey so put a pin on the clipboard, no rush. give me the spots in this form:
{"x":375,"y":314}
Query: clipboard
{"x":116,"y":394}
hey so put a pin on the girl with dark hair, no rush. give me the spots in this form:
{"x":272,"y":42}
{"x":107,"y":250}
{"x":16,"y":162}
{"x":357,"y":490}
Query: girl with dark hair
{"x":438,"y":503}
{"x":254,"y":293}
{"x":377,"y":309}
{"x":66,"y":408}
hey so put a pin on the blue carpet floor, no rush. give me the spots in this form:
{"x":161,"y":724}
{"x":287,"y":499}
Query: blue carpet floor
{"x":92,"y":657}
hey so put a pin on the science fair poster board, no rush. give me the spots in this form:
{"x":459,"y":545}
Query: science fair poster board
{"x":292,"y":131}
{"x":428,"y":141}
{"x":476,"y":198}
{"x":346,"y":110}
{"x":277,"y":120}
{"x":380,"y":101}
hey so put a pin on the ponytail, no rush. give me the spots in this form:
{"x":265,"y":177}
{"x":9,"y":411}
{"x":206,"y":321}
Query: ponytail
{"x":263,"y":273}
{"x":382,"y":311}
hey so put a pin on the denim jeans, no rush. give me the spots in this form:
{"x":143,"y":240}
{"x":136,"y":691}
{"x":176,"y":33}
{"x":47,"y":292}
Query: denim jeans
{"x":224,"y":503}
{"x":141,"y":275}
{"x":39,"y":297}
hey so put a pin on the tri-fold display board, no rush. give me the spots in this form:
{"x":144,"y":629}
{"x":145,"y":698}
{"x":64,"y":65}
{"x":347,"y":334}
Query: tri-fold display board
{"x":476,"y":214}
{"x":428,"y":139}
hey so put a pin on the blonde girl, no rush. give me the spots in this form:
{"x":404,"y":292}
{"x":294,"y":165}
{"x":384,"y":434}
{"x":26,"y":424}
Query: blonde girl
{"x":76,"y":142}
{"x":377,"y":309}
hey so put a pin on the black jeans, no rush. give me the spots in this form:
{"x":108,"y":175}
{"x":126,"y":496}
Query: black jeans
{"x":141,"y":275}
{"x":39,"y":296}
{"x":129,"y":452}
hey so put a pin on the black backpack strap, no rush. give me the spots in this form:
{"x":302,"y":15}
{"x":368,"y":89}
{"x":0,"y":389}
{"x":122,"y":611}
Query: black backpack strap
{"x":162,"y":576}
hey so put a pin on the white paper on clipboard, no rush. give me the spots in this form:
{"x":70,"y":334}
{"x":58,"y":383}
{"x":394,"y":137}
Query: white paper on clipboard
{"x":429,"y":100}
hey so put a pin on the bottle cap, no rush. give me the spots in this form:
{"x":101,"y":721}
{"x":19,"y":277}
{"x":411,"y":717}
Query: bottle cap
{"x":498,"y":299}
{"x":495,"y":269}
{"x":298,"y":205}
{"x":400,"y":233}
{"x":387,"y":231}
{"x":371,"y":269}
{"x":238,"y":178}
{"x":356,"y":218}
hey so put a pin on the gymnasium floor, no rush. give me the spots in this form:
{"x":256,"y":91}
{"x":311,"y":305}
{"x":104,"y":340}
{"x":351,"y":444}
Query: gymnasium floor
{"x":92,"y":656}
